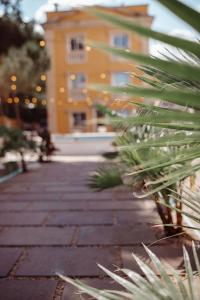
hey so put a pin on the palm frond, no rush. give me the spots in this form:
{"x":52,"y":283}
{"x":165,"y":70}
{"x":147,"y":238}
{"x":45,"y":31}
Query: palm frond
{"x":129,"y":25}
{"x":105,"y":178}
{"x":137,"y":287}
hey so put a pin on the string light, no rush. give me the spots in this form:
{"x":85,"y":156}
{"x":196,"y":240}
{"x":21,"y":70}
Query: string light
{"x":42,"y":43}
{"x":16,"y":100}
{"x":102,"y":75}
{"x":10,"y":100}
{"x":13,"y":87}
{"x":61,"y":89}
{"x":34,"y":100}
{"x":128,"y":50}
{"x":27,"y":101}
{"x":44,"y":102}
{"x":43,"y":77}
{"x":31,"y":105}
{"x":72,"y":76}
{"x":38,"y":89}
{"x":13,"y":78}
{"x":88,"y":48}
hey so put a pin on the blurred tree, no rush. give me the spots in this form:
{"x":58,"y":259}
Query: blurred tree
{"x":14,"y":140}
{"x":22,"y":57}
{"x":26,"y":64}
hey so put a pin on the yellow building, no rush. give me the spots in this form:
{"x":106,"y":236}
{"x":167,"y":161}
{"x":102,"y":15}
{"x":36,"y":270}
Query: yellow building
{"x":74,"y":65}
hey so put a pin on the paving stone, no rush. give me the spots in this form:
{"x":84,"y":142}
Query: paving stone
{"x":36,"y":236}
{"x":12,"y":206}
{"x":119,"y":205}
{"x":115,"y":235}
{"x":67,"y":261}
{"x":87,"y":196}
{"x":21,"y":218}
{"x":81,"y":218}
{"x":123,"y":196}
{"x":73,"y":189}
{"x":58,"y":205}
{"x":136,"y":217}
{"x":171,"y":254}
{"x":30,"y":196}
{"x":27,"y":289}
{"x":8,"y":257}
{"x":73,"y":293}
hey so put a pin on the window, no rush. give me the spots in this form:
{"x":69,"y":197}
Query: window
{"x":120,"y":40}
{"x":77,"y":43}
{"x":76,"y":86}
{"x":79,"y":119}
{"x":77,"y":81}
{"x":76,"y":49}
{"x":120,"y":79}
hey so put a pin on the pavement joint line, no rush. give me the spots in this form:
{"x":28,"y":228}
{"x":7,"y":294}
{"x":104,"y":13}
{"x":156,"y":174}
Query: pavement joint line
{"x":72,"y":225}
{"x":75,"y":236}
{"x":82,"y":246}
{"x":20,"y":259}
{"x":119,"y":258}
{"x":50,"y":277}
{"x":114,"y":218}
{"x":27,"y":206}
{"x":59,"y":291}
{"x":67,"y":210}
{"x":44,"y":223}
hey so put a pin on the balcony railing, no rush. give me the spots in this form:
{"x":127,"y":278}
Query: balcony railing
{"x":76,"y":56}
{"x":77,"y":95}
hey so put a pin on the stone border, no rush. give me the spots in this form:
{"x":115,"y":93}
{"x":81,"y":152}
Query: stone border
{"x":10,"y":176}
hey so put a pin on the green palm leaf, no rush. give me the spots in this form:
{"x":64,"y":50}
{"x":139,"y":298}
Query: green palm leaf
{"x":127,"y":24}
{"x":150,"y":287}
{"x":181,"y":69}
{"x":179,"y":97}
{"x":184,"y":12}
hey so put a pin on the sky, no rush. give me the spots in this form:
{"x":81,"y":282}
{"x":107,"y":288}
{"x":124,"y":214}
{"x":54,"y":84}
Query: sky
{"x":164,"y":20}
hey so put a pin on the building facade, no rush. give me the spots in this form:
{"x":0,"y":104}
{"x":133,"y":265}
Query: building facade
{"x":72,"y":106}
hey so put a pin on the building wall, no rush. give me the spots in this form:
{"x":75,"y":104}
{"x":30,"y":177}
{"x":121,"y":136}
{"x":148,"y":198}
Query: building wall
{"x":59,"y":27}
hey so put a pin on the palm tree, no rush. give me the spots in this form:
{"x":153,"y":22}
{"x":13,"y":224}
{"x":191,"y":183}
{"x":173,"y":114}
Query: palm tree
{"x":177,"y":82}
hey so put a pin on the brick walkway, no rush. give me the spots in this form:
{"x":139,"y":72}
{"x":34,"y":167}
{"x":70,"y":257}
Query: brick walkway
{"x":50,"y":222}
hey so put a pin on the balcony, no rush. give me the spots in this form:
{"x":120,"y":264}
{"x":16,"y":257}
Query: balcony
{"x":76,"y":57}
{"x":77,"y":95}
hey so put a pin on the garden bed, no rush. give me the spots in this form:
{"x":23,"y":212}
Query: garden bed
{"x":8,"y":170}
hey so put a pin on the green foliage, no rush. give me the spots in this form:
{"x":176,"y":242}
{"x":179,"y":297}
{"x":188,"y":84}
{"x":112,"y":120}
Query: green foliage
{"x":105,"y":178}
{"x":22,"y":56}
{"x":163,"y":158}
{"x":14,"y":140}
{"x":150,"y":287}
{"x":27,"y":63}
{"x":172,"y":81}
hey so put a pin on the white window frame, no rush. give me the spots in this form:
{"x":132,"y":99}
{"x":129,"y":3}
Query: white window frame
{"x":112,"y":35}
{"x":78,"y":90}
{"x":120,"y":72}
{"x":75,"y":52}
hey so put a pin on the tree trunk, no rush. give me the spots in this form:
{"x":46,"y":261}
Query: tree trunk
{"x":17,"y":114}
{"x":179,"y":217}
{"x":23,"y":163}
{"x":166,"y":220}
